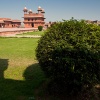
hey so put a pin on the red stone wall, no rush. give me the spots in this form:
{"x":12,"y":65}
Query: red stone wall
{"x":31,"y":24}
{"x":8,"y":23}
{"x":33,"y":20}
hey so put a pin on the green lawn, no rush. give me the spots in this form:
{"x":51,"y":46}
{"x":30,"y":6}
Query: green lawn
{"x":33,"y":33}
{"x":20,"y":73}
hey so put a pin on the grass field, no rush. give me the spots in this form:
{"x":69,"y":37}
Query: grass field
{"x":20,"y":73}
{"x":33,"y":33}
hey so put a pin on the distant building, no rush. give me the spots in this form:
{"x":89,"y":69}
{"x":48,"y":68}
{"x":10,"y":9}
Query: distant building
{"x":33,"y":20}
{"x":96,"y":22}
{"x":9,"y":23}
{"x":49,"y":24}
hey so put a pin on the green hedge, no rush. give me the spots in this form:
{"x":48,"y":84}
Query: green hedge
{"x":69,"y":52}
{"x":40,"y":28}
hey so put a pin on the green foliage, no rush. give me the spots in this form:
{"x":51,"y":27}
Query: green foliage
{"x":69,"y":52}
{"x":40,"y":28}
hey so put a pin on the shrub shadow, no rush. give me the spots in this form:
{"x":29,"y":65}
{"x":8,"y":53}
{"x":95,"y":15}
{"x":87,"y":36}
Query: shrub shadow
{"x":34,"y":74}
{"x":17,"y":89}
{"x":13,"y":89}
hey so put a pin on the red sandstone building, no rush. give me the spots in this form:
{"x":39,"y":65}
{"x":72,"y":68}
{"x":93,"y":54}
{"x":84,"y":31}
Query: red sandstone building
{"x":96,"y":22}
{"x":9,"y":23}
{"x":33,"y":20}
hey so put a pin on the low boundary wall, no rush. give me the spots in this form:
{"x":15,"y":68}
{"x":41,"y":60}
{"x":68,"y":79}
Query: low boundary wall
{"x":13,"y":31}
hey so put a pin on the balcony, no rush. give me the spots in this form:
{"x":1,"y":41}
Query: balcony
{"x":33,"y":15}
{"x":37,"y":21}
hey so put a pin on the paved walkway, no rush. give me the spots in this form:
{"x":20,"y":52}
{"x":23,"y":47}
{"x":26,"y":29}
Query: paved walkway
{"x":15,"y":29}
{"x":11,"y":32}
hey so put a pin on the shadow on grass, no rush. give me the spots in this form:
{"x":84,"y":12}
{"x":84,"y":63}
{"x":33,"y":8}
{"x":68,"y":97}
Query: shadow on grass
{"x":22,"y":90}
{"x":34,"y":74}
{"x":32,"y":86}
{"x":3,"y":67}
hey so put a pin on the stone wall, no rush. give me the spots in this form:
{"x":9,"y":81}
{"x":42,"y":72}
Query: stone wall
{"x":13,"y":32}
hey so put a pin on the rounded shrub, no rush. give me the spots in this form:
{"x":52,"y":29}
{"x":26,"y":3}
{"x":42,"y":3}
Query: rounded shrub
{"x":40,"y":28}
{"x":69,"y":53}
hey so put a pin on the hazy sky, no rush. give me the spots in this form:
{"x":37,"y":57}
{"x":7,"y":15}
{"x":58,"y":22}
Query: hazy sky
{"x":56,"y":10}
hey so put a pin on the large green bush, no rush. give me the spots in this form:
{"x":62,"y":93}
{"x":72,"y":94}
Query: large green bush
{"x":69,"y":52}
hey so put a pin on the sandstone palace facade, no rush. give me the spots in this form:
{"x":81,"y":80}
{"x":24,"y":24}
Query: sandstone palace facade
{"x":33,"y":20}
{"x":9,"y":23}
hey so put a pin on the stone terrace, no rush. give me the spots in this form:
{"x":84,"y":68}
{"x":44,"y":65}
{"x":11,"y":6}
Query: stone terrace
{"x":13,"y":31}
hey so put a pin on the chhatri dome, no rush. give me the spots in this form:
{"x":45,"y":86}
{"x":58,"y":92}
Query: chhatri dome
{"x":39,"y":8}
{"x":25,"y":9}
{"x":30,"y":11}
{"x":42,"y":11}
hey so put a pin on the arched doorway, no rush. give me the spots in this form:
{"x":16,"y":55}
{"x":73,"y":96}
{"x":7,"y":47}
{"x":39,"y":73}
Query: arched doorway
{"x":32,"y":24}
